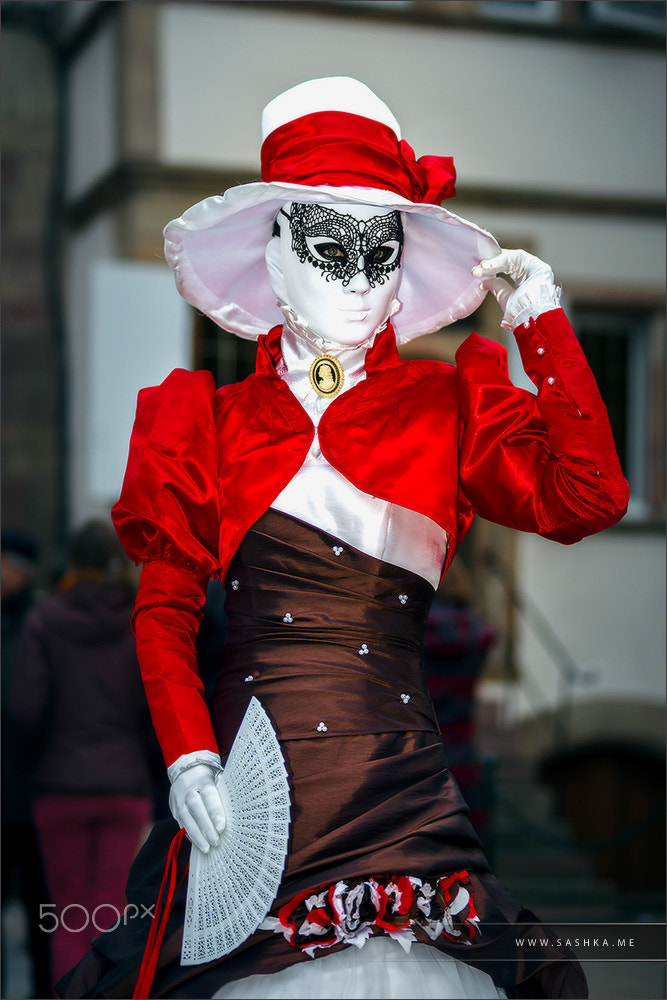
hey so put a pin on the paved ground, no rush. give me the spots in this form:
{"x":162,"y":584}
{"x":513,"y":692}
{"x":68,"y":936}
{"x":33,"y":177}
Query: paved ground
{"x":625,"y":980}
{"x":16,"y":967}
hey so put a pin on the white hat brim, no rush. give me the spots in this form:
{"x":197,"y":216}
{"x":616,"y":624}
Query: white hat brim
{"x":217,"y":252}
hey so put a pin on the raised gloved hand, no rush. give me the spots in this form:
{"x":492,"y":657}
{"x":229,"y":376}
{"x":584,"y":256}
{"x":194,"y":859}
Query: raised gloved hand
{"x":195,"y":801}
{"x":532,"y":293}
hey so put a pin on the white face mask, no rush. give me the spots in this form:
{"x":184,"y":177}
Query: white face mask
{"x":341,"y":267}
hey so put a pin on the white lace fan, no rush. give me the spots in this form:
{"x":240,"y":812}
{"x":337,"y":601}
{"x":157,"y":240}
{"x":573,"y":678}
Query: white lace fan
{"x":231,"y":889}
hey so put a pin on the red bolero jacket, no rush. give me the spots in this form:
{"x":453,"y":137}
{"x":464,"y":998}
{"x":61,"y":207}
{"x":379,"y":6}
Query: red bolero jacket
{"x":446,"y":441}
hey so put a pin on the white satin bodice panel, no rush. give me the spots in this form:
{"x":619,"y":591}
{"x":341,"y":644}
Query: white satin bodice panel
{"x":320,"y":495}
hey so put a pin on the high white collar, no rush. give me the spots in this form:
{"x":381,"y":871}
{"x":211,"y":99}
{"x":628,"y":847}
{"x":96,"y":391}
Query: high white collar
{"x":300,"y":346}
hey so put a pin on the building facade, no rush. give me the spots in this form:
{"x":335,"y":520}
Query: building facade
{"x":554,"y":113}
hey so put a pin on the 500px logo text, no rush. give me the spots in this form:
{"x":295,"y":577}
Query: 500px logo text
{"x":75,"y":917}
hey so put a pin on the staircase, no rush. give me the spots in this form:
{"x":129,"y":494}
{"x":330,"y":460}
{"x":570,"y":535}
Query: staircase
{"x":532,"y":852}
{"x":531,"y":849}
{"x":535,"y":857}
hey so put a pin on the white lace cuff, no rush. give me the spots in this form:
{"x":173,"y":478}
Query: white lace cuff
{"x":188,"y":760}
{"x":529,"y":303}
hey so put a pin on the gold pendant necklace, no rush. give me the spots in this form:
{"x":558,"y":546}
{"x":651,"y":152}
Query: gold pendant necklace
{"x":326,"y":376}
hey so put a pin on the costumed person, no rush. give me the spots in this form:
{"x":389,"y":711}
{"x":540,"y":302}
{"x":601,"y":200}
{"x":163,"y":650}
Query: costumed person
{"x":329,"y":491}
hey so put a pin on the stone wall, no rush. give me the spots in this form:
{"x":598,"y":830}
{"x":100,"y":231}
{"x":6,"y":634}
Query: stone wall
{"x":32,"y":470}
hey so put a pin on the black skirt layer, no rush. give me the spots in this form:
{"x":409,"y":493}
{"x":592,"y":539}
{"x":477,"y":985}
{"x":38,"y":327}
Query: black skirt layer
{"x":330,"y":642}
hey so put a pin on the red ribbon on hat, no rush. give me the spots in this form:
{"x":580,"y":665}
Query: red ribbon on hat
{"x":340,"y":149}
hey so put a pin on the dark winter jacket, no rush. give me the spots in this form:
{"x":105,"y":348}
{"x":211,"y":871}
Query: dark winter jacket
{"x":16,"y":755}
{"x":77,"y":693}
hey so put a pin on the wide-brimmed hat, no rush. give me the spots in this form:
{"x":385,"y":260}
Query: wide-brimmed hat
{"x":330,"y":141}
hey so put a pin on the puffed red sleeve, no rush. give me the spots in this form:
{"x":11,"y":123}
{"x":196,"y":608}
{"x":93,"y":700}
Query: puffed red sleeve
{"x":167,"y":519}
{"x":544,"y":463}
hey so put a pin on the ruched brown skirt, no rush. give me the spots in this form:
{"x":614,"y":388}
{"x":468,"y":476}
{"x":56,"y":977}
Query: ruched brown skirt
{"x":330,"y":642}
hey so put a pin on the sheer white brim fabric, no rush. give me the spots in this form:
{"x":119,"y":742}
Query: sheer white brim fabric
{"x":217,"y":252}
{"x":380,"y":969}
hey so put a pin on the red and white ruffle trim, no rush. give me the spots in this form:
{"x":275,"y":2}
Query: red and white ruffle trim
{"x":349,"y":912}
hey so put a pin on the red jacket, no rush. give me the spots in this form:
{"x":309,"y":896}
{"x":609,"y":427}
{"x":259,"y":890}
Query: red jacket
{"x":446,"y":441}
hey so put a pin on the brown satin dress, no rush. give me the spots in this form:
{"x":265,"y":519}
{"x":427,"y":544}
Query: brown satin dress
{"x":329,"y":640}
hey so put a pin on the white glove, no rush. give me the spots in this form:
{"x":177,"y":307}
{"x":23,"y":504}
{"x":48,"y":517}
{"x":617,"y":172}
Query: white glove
{"x":533,"y":292}
{"x":195,"y":801}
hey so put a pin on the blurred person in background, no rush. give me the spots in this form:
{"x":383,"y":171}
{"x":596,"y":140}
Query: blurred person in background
{"x":457,"y":641}
{"x":77,"y":694}
{"x":22,"y":875}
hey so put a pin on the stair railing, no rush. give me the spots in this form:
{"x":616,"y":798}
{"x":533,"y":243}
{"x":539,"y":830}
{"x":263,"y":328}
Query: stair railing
{"x":570,"y":674}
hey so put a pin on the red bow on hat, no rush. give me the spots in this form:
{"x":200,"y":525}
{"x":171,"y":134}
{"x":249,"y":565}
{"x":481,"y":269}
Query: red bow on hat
{"x":433,"y":176}
{"x":340,"y":149}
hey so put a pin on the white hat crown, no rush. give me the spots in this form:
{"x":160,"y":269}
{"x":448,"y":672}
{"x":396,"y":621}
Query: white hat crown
{"x":331,"y":93}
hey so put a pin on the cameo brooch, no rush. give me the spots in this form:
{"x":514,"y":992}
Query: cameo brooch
{"x":326,"y":375}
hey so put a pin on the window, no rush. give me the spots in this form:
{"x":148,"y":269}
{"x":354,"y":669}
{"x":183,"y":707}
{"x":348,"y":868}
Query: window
{"x":619,"y":345}
{"x":520,"y":10}
{"x":374,"y":3}
{"x":229,"y":358}
{"x":642,"y":15}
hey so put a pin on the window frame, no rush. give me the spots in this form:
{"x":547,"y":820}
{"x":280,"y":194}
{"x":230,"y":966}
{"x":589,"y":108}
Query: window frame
{"x":539,"y":11}
{"x":636,"y":322}
{"x":630,"y":15}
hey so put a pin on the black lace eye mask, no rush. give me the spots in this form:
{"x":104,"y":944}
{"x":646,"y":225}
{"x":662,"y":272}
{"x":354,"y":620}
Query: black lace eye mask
{"x":341,"y":246}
